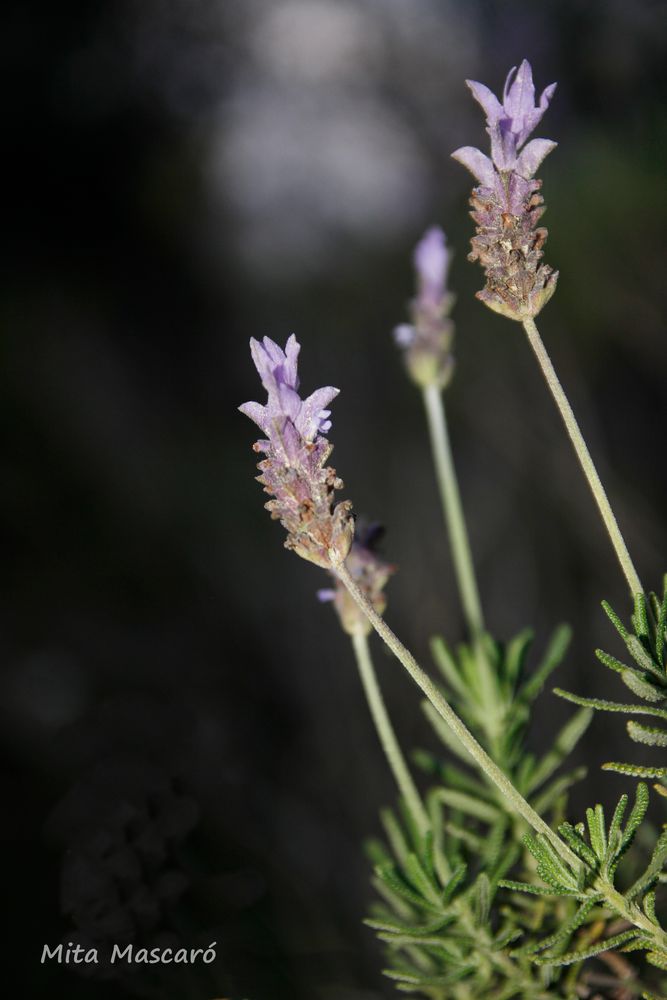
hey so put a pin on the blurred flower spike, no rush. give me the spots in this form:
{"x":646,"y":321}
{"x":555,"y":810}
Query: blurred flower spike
{"x":426,"y":341}
{"x":294,"y":472}
{"x":507,"y":204}
{"x":371,"y":574}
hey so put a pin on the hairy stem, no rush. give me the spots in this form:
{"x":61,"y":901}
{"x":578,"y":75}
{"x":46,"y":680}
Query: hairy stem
{"x":584,"y":456}
{"x":453,"y":509}
{"x":386,"y":733}
{"x":477,"y":752}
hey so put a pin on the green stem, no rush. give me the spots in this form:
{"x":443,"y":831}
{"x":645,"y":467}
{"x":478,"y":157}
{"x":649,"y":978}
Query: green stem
{"x":386,"y":733}
{"x":584,"y":456}
{"x":462,"y":558}
{"x":453,"y":510}
{"x":477,"y":752}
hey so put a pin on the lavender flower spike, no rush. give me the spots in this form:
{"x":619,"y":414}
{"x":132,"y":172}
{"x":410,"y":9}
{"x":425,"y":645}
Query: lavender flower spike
{"x":507,"y":204}
{"x":293,"y":471}
{"x":426,"y":341}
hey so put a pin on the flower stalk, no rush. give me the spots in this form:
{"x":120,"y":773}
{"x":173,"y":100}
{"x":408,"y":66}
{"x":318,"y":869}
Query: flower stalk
{"x":386,"y":733}
{"x":584,"y":456}
{"x":476,"y":751}
{"x":453,"y":509}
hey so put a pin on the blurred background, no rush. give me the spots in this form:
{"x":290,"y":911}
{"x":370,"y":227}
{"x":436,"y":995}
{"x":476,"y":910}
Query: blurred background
{"x":187,"y":755}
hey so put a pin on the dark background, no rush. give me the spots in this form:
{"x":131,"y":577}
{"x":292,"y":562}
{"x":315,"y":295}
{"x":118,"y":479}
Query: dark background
{"x":180,"y":717}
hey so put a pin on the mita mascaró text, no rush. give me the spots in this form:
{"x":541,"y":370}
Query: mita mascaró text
{"x":76,"y":954}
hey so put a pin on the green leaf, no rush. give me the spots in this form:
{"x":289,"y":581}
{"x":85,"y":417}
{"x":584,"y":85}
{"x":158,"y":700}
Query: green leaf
{"x":636,"y":816}
{"x":596,"y":949}
{"x":552,"y":658}
{"x":611,"y":706}
{"x":661,"y":628}
{"x":648,"y":906}
{"x":389,"y":926}
{"x":445,"y":734}
{"x":640,"y":617}
{"x":395,"y":835}
{"x":458,"y":876}
{"x":550,"y":868}
{"x":537,"y":890}
{"x":467,"y":804}
{"x":421,"y":881}
{"x":657,"y":958}
{"x":635,"y":770}
{"x":481,"y":899}
{"x":656,"y":864}
{"x":615,"y":620}
{"x":650,"y":735}
{"x":578,"y":845}
{"x":642,"y":657}
{"x":560,"y":936}
{"x":447,"y":665}
{"x":615,"y":839}
{"x":596,"y":831}
{"x":391,"y":878}
{"x":641,"y":686}
{"x":421,"y":980}
{"x":515,"y":656}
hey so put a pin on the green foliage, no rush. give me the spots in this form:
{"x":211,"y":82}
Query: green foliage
{"x":593,"y":885}
{"x":448,"y":918}
{"x":645,"y":674}
{"x":443,"y":919}
{"x":482,"y":908}
{"x":493,"y":692}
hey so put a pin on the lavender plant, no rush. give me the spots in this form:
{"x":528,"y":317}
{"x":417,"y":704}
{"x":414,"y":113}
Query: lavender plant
{"x":486,"y":889}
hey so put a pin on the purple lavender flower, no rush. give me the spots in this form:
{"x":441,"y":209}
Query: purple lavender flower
{"x":426,"y":341}
{"x":507,"y":204}
{"x":294,"y":472}
{"x":371,"y":574}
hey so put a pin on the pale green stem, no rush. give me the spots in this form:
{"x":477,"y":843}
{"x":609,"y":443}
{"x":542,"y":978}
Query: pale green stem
{"x":453,"y":509}
{"x":584,"y":456}
{"x":461,"y":554}
{"x":477,"y":752}
{"x":386,"y":733}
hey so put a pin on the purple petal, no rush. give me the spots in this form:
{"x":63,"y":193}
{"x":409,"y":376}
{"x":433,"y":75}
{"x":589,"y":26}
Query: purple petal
{"x":256,"y":412}
{"x":292,"y":348}
{"x":404,"y":334}
{"x":430,"y":259}
{"x":286,"y":439}
{"x":491,"y":106}
{"x":314,"y":413}
{"x":519,"y":96}
{"x":479,"y":165}
{"x":547,"y":94}
{"x":290,"y":403}
{"x":263,"y":362}
{"x":326,"y":595}
{"x":532,"y":156}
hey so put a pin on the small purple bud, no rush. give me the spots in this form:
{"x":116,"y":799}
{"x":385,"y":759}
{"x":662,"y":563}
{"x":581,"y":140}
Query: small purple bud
{"x":371,"y":574}
{"x":426,"y":341}
{"x":431,"y":261}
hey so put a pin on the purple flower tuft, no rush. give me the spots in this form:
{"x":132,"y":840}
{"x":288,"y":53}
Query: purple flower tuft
{"x":426,"y":342}
{"x":507,"y":204}
{"x":294,"y":471}
{"x":431,"y":260}
{"x":509,"y":124}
